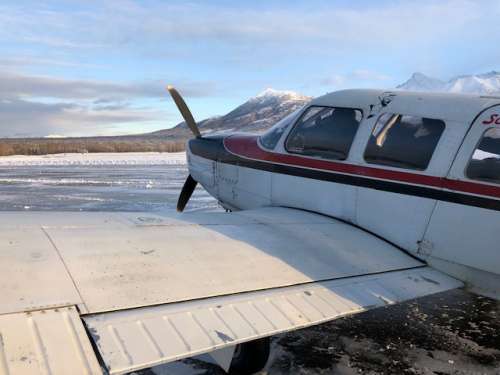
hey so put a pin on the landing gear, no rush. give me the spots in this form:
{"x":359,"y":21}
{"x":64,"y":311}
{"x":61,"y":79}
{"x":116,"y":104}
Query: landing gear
{"x":250,"y":357}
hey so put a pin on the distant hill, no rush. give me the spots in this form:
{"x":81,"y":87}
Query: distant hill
{"x":255,"y":115}
{"x":482,"y":84}
{"x":262,"y":111}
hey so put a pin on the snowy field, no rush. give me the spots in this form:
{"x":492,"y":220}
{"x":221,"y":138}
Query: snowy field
{"x":450,"y":333}
{"x":96,"y":182}
{"x":112,"y":158}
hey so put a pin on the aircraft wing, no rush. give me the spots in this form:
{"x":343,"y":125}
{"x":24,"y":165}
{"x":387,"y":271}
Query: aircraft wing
{"x":87,"y":292}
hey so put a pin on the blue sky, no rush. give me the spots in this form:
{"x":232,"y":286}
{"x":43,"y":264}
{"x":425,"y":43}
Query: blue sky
{"x":101,"y":67}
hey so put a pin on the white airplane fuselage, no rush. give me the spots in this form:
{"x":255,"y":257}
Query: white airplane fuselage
{"x":446,"y":212}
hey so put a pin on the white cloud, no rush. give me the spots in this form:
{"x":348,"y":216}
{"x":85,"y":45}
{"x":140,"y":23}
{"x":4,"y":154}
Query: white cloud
{"x":13,"y":85}
{"x":370,"y":24}
{"x":13,"y":63}
{"x":118,"y":23}
{"x":359,"y":78}
{"x":424,"y":35}
{"x":38,"y":105}
{"x":364,"y":74}
{"x":335,"y":81}
{"x":22,"y":118}
{"x":214,"y":41}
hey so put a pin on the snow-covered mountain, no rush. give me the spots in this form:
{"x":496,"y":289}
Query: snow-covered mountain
{"x":255,"y":115}
{"x":421,"y":82}
{"x":483,"y":84}
{"x":270,"y":106}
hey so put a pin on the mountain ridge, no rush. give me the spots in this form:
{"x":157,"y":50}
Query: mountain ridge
{"x":255,"y":115}
{"x":269,"y":106}
{"x":480,"y":84}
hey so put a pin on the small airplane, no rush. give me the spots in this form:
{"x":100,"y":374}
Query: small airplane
{"x":361,"y":199}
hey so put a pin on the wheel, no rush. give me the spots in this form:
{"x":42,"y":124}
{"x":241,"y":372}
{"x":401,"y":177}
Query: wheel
{"x":250,"y":357}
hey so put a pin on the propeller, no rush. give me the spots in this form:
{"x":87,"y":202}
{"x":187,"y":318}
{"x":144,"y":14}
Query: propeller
{"x":186,"y":192}
{"x":184,"y":110}
{"x":190,"y":184}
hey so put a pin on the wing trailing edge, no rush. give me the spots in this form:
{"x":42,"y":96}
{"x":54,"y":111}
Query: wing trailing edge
{"x":139,"y":338}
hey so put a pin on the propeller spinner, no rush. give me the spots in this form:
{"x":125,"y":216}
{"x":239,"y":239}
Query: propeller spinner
{"x":190,"y":184}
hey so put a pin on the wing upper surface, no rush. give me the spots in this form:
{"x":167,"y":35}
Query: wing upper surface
{"x":122,"y":261}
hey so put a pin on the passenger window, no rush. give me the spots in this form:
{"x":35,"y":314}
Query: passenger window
{"x":403,"y":141}
{"x":485,"y":162}
{"x":325,"y":132}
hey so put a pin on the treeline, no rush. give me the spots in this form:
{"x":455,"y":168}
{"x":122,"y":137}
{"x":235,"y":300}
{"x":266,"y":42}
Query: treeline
{"x":59,"y":146}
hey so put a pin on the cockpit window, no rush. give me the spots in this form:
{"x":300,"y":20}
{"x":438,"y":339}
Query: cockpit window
{"x":485,"y":162}
{"x":325,"y":132}
{"x":271,"y":137}
{"x":403,"y":141}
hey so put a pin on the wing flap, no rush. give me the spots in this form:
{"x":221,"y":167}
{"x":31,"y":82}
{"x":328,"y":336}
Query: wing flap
{"x":129,"y":340}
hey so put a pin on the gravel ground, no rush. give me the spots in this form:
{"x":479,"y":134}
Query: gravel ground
{"x":449,"y":333}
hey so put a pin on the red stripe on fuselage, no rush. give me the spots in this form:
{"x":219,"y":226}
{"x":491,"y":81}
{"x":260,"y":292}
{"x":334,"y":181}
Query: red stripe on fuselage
{"x":247,"y":147}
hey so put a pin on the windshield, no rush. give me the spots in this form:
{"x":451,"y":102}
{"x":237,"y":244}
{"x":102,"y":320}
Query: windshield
{"x":271,"y":138}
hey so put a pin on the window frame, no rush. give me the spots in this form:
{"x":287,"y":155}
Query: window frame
{"x":298,"y":114}
{"x":299,"y":119}
{"x":474,"y":149}
{"x":418,"y":170}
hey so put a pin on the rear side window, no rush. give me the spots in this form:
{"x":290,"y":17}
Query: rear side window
{"x":325,"y":132}
{"x":403,"y":141}
{"x":485,"y":162}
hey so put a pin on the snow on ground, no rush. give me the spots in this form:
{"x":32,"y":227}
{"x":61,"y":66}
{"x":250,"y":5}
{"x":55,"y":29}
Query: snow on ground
{"x":111,"y":158}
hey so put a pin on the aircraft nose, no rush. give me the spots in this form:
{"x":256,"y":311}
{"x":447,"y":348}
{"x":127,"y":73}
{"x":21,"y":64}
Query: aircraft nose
{"x":202,"y":157}
{"x":211,"y":148}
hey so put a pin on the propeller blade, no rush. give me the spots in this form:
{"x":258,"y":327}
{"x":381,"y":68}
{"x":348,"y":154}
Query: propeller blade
{"x":184,"y":110}
{"x":186,"y":192}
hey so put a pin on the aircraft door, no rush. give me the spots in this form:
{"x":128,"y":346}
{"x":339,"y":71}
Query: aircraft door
{"x":323,"y":134}
{"x":407,"y":155}
{"x":467,"y":232}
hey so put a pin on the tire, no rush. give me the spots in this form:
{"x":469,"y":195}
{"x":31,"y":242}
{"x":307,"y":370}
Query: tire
{"x":250,"y":357}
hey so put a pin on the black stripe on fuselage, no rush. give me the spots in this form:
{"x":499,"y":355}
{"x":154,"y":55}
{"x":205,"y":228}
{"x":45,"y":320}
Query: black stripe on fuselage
{"x":213,"y":149}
